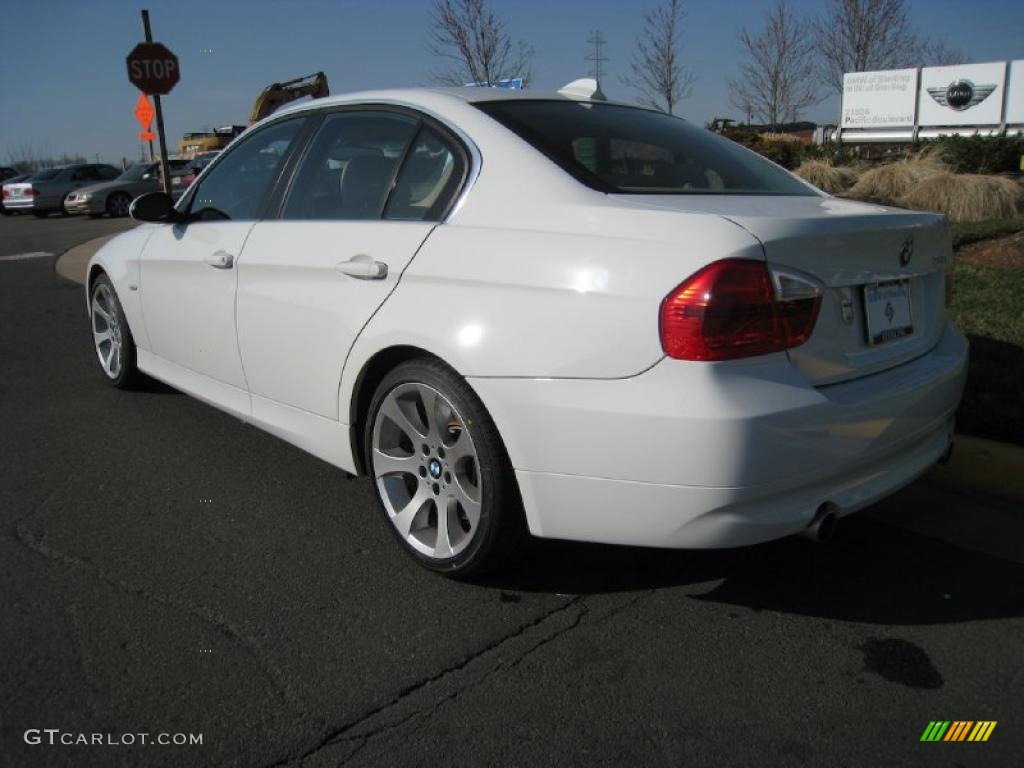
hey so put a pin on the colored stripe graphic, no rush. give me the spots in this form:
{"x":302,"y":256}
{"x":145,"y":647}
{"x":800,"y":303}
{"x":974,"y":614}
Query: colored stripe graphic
{"x":935,"y":730}
{"x":958,"y":730}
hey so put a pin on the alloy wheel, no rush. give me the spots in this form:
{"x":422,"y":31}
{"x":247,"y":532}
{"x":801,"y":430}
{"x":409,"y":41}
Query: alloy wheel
{"x":106,"y":331}
{"x":120,"y":205}
{"x":427,"y":470}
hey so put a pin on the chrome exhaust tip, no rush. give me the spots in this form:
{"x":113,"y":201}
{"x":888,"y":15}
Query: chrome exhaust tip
{"x":823,"y":526}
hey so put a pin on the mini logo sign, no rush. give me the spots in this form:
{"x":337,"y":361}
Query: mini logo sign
{"x":961,"y":94}
{"x":907,"y":251}
{"x":958,"y":730}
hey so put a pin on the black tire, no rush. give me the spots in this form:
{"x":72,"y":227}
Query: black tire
{"x":118,"y":204}
{"x":127,"y":375}
{"x":501,"y":525}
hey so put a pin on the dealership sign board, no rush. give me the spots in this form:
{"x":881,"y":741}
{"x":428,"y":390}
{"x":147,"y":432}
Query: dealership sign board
{"x":964,"y":94}
{"x":1015,"y":94}
{"x":879,"y":99}
{"x":903,"y":104}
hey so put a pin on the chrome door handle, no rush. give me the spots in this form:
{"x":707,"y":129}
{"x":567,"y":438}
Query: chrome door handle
{"x":363,"y":267}
{"x":221,"y":260}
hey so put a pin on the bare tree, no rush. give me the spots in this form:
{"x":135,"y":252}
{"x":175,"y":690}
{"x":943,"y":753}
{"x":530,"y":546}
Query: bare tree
{"x":936,"y":53}
{"x":474,"y":41}
{"x":865,"y":35}
{"x":656,"y":69}
{"x":778,"y":75}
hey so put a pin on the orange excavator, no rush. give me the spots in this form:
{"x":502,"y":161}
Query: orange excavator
{"x":279,"y":94}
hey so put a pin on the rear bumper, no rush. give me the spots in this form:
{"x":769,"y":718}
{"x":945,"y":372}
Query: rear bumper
{"x":27,"y":204}
{"x":697,"y":455}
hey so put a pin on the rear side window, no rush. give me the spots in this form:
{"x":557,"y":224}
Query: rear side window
{"x":47,"y":175}
{"x":350,"y":166}
{"x":108,"y":171}
{"x":615,"y":148}
{"x":429,"y":178}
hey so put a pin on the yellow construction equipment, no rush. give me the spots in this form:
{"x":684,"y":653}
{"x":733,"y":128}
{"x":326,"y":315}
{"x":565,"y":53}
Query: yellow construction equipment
{"x":279,"y":94}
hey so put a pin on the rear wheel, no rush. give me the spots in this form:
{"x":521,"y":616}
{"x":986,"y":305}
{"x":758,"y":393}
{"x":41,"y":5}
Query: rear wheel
{"x":119,"y":203}
{"x":112,"y":339}
{"x":440,"y":471}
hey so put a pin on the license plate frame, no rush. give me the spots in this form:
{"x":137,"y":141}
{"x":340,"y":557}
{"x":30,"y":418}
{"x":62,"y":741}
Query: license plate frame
{"x":888,"y":311}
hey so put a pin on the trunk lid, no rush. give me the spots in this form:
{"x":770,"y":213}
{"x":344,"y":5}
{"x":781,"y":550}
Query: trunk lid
{"x":882,"y":271}
{"x":17,"y":191}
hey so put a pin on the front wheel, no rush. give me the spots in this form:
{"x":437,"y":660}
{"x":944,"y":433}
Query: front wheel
{"x":440,"y":471}
{"x":118,"y":204}
{"x":112,"y":339}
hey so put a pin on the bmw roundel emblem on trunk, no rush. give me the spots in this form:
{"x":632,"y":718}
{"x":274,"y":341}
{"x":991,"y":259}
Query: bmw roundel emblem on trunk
{"x":907,"y":251}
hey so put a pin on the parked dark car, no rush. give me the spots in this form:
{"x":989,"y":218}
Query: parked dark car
{"x":6,"y":174}
{"x":43,"y":192}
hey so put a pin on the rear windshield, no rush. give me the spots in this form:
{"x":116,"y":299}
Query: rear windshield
{"x":629,"y":150}
{"x":49,"y":173}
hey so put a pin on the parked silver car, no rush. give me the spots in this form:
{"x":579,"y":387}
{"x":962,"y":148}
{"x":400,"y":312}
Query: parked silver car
{"x":115,"y":197}
{"x":12,"y":180}
{"x":43,"y":192}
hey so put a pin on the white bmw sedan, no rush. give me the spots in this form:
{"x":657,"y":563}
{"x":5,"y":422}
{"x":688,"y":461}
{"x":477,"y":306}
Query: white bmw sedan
{"x":544,"y":312}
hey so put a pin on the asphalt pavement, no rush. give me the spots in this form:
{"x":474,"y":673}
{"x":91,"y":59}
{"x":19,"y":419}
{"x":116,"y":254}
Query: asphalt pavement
{"x":165,"y":568}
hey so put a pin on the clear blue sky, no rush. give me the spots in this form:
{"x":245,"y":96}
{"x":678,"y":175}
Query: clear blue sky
{"x":64,"y":86}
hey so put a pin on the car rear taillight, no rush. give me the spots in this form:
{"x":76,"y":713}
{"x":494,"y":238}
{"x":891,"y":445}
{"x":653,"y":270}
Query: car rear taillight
{"x":29,"y":192}
{"x":738,"y":308}
{"x":6,"y":193}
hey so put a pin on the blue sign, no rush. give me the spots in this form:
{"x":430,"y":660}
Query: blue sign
{"x":509,"y":82}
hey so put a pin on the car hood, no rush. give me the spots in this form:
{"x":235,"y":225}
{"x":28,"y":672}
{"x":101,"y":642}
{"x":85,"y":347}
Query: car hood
{"x":131,"y":187}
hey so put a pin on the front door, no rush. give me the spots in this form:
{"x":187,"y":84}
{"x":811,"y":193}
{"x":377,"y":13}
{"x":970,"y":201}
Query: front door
{"x":189,"y":270}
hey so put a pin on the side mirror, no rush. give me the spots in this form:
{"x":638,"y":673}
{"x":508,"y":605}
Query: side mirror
{"x":154,"y":206}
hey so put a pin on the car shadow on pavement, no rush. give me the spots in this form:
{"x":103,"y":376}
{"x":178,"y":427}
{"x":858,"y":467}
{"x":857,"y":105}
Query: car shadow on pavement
{"x":870,"y":572}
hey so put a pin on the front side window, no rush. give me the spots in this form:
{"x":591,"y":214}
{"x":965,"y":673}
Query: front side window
{"x":350,"y":166}
{"x":429,"y":178}
{"x":615,"y":148}
{"x":236,"y":187}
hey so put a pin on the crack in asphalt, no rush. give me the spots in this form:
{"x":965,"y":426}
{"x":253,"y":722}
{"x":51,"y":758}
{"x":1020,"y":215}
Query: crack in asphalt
{"x":221,"y":623}
{"x":360,"y":740}
{"x":340,"y":734}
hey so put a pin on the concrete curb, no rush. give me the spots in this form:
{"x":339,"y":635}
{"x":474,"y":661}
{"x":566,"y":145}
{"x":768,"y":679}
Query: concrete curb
{"x":72,"y":264}
{"x":977,"y":466}
{"x":984,"y":467}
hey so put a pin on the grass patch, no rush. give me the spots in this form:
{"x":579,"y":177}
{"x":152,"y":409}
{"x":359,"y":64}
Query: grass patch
{"x":828,"y":178}
{"x":988,"y":306}
{"x":965,"y":196}
{"x":965,"y":232}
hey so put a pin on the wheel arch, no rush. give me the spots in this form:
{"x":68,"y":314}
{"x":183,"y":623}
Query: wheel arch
{"x":373,"y":372}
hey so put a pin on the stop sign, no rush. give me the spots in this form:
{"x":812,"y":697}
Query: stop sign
{"x":153,"y":69}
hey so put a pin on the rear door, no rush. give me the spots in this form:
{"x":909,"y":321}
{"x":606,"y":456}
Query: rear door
{"x":372,"y":185}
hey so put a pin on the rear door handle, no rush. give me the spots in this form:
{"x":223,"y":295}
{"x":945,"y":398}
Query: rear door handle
{"x":363,"y":267}
{"x":221,"y":260}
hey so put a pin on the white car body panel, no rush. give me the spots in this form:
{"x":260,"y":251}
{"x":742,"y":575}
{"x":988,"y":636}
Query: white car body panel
{"x":289,"y":284}
{"x":189,"y":305}
{"x":544,"y":294}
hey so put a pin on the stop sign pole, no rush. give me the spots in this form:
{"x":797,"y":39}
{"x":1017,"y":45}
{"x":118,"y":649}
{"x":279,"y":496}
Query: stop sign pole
{"x":165,"y":167}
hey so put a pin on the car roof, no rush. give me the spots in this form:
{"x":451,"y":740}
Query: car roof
{"x":463,"y":94}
